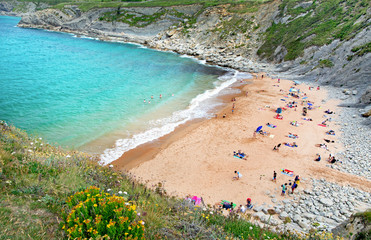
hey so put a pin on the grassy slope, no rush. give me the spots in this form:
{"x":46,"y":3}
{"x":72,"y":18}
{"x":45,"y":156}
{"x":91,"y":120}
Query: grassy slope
{"x":36,"y":179}
{"x":315,"y":25}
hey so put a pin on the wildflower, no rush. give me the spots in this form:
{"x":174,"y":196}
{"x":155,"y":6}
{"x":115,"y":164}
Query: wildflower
{"x":211,"y":213}
{"x":127,"y":204}
{"x":125,"y":193}
{"x":8,"y":182}
{"x":31,"y":143}
{"x":120,"y":192}
{"x":250,"y":228}
{"x":68,"y":156}
{"x":111,"y":166}
{"x":40,"y":138}
{"x":204,"y":209}
{"x":109,"y":189}
{"x":138,"y":214}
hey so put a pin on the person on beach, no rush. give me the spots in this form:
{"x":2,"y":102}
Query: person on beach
{"x":283,"y":189}
{"x":238,"y":175}
{"x":274,"y":176}
{"x":241,"y":209}
{"x":224,"y":115}
{"x":279,"y":80}
{"x":247,"y":93}
{"x":160,"y":95}
{"x":294,"y":185}
{"x":248,"y":203}
{"x":318,"y":158}
{"x":151,"y":96}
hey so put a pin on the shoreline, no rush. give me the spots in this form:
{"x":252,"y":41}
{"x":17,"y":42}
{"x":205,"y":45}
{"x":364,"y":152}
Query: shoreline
{"x":145,"y":152}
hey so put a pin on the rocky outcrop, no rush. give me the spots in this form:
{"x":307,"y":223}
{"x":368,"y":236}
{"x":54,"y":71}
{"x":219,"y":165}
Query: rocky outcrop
{"x":15,"y":8}
{"x":357,"y":226}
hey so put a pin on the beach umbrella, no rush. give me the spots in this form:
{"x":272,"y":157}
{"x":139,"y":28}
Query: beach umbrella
{"x":279,"y":110}
{"x":310,"y":104}
{"x":259,"y":128}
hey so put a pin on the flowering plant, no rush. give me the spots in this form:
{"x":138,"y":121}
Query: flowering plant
{"x":95,"y":214}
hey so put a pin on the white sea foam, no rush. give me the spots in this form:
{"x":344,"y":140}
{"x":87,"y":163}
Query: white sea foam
{"x":199,"y":107}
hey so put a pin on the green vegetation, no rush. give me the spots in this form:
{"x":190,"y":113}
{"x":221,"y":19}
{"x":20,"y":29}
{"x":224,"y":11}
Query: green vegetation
{"x":325,"y":63}
{"x":317,"y":24}
{"x":360,"y":50}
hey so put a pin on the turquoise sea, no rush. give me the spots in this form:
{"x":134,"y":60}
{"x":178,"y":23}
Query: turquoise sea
{"x":89,"y":95}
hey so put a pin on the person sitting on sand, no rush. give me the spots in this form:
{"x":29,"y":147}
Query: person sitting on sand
{"x":241,"y":209}
{"x":249,"y":205}
{"x":329,"y":112}
{"x":329,"y":141}
{"x":318,"y":158}
{"x":238,"y":175}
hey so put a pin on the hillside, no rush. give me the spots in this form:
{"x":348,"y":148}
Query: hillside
{"x":323,"y":41}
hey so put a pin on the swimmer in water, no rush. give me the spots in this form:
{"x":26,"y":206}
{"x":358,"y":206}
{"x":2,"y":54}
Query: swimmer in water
{"x":149,"y":102}
{"x":144,"y":101}
{"x":160,"y":95}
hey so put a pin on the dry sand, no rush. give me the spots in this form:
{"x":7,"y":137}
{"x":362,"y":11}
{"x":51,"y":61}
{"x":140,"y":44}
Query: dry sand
{"x":200,"y":161}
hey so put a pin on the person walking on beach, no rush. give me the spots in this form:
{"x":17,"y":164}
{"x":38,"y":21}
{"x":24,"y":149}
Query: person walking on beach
{"x":238,"y":175}
{"x":274,"y":176}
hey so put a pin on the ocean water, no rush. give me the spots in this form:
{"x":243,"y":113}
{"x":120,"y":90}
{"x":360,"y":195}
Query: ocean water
{"x":89,"y":95}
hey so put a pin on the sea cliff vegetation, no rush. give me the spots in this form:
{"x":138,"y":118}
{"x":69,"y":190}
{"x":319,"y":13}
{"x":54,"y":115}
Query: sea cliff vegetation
{"x":49,"y":193}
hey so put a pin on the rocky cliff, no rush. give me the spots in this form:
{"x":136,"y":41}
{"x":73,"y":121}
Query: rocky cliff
{"x":323,"y":41}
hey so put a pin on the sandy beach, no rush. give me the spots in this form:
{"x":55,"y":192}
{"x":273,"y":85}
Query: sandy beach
{"x":200,"y":161}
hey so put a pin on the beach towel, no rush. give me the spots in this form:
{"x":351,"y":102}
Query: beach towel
{"x":225,"y":201}
{"x":278,"y":117}
{"x":238,"y":157}
{"x":322,"y":125}
{"x":283,"y":99}
{"x":271,"y":136}
{"x":271,"y":126}
{"x":287,"y":172}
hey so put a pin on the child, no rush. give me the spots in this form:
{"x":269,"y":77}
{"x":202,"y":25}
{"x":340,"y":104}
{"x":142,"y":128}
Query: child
{"x":238,"y":175}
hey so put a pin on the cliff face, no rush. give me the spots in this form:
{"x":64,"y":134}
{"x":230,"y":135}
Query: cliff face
{"x":15,"y":8}
{"x":328,"y":46}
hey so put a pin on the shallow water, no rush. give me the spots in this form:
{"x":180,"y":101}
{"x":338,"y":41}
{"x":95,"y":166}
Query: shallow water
{"x":87,"y":94}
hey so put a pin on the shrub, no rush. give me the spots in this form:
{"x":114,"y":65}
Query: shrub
{"x":95,"y":214}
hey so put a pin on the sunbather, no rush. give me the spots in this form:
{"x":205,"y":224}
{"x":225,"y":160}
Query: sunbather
{"x":331,"y":132}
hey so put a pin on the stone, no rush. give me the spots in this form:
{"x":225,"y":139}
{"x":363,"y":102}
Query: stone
{"x":304,"y":225}
{"x":258,"y":208}
{"x":283,"y":215}
{"x":326,"y":201}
